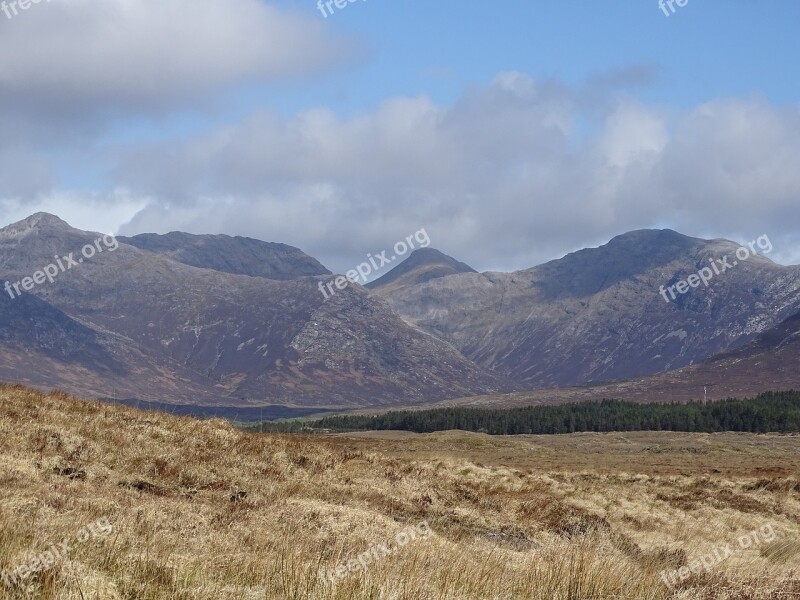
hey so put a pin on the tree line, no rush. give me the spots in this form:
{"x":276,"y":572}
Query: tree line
{"x":777,"y":412}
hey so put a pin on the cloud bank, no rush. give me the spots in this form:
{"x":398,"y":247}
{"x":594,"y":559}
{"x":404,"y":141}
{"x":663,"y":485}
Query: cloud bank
{"x":513,"y":173}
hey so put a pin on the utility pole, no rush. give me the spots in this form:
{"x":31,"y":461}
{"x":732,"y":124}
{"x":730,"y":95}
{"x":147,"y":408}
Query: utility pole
{"x":705,"y":391}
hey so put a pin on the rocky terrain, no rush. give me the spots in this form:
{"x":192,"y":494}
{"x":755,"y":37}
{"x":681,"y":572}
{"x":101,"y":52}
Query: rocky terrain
{"x":237,"y":255}
{"x":43,"y":346}
{"x":239,"y":340}
{"x":218,"y":321}
{"x":769,"y":362}
{"x":597,"y":314}
{"x":421,"y":266}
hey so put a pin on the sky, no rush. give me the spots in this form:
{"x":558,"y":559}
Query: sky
{"x":512,"y":132}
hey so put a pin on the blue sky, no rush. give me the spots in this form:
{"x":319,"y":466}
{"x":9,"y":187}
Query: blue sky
{"x":490,"y":124}
{"x":732,"y":48}
{"x":703,"y":51}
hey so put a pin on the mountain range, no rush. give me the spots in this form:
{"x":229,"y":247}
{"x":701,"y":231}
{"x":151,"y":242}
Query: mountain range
{"x":189,"y":334}
{"x":598,"y":314}
{"x":218,"y":321}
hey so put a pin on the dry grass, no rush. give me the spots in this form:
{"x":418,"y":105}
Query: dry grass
{"x":203,"y":511}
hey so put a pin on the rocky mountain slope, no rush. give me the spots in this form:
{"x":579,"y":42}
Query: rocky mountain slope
{"x":237,"y":255}
{"x":599,"y":314}
{"x":43,"y":346}
{"x":424,"y":264}
{"x":234,"y":322}
{"x":245,"y":340}
{"x":769,"y":362}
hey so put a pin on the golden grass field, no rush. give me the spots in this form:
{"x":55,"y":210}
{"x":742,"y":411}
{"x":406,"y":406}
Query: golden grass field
{"x":201,"y":510}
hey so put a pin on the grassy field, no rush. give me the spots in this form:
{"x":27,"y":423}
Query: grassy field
{"x":155,"y":506}
{"x":650,"y":453}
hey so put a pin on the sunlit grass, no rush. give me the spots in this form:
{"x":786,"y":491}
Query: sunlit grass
{"x":202,"y":510}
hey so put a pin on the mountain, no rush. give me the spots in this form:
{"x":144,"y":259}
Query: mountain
{"x":43,"y":346}
{"x":604,"y":314}
{"x":769,"y":362}
{"x":215,"y":321}
{"x":237,"y":340}
{"x":422,"y":265}
{"x":30,"y":325}
{"x":236,"y":255}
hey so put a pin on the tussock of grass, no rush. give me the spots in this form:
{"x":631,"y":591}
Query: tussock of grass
{"x":202,"y":511}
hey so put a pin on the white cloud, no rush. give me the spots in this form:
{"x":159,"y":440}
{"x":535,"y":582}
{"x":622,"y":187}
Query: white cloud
{"x":514,"y":173}
{"x":145,"y":54}
{"x":633,"y":133}
{"x":501,"y":179}
{"x":74,"y":74}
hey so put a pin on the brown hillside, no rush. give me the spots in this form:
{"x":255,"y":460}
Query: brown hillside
{"x":201,"y":510}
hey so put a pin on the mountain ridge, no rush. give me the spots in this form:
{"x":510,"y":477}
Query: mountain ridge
{"x":233,"y":330}
{"x":231,"y":254}
{"x":597,"y":314}
{"x":242,"y":340}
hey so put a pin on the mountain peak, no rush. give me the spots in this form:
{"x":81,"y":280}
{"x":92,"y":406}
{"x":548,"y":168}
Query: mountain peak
{"x":431,"y":255}
{"x":37,"y":222}
{"x":424,"y":264}
{"x":639,"y":236}
{"x":44,"y":217}
{"x":41,"y":219}
{"x":625,"y":256}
